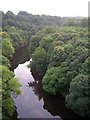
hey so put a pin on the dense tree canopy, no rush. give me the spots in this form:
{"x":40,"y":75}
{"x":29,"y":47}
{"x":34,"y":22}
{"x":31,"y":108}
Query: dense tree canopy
{"x":65,"y":64}
{"x":8,"y":84}
{"x":39,"y":60}
{"x":19,"y":37}
{"x":7,"y":48}
{"x":78,"y":99}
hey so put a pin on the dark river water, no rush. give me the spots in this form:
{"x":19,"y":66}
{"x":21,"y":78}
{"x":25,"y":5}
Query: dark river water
{"x":34,"y":102}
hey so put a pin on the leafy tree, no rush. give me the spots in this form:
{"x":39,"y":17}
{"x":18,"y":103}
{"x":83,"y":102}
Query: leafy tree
{"x":10,"y":85}
{"x":84,"y":22}
{"x":45,"y":42}
{"x":85,"y":68}
{"x":19,"y":37}
{"x":33,"y":43}
{"x":4,"y":35}
{"x":39,"y":60}
{"x":49,"y":30}
{"x":7,"y":48}
{"x":5,"y":61}
{"x":77,"y":99}
{"x":50,"y":80}
{"x":56,"y":56}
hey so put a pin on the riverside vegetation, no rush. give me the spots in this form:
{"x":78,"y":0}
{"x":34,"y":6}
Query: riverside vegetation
{"x":62,"y":58}
{"x":59,"y":51}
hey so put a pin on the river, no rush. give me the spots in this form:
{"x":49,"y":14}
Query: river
{"x":34,"y":102}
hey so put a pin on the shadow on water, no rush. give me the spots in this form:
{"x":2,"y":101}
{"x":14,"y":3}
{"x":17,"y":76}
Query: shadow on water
{"x":53,"y":104}
{"x":20,"y":56}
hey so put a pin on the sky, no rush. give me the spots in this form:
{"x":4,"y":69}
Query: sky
{"x":47,"y":7}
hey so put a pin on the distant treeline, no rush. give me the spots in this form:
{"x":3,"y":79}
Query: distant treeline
{"x":22,"y":26}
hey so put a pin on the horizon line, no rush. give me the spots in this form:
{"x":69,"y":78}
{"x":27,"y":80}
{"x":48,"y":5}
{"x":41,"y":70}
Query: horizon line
{"x":43,"y":14}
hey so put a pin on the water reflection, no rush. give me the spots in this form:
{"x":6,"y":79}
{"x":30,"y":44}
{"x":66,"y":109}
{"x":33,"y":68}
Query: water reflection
{"x":30,"y":103}
{"x":21,"y":55}
{"x":36,"y":88}
{"x":54,"y":104}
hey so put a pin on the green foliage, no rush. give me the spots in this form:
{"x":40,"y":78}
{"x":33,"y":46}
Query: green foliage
{"x":60,"y":50}
{"x":50,"y":80}
{"x":39,"y":60}
{"x":29,"y":22}
{"x":19,"y":37}
{"x":55,"y":79}
{"x":49,"y":30}
{"x":33,"y":43}
{"x":4,"y":35}
{"x":77,"y":99}
{"x":66,"y":56}
{"x":7,"y":48}
{"x":56,"y":56}
{"x":84,"y":23}
{"x":22,"y":26}
{"x":45,"y":42}
{"x":5,"y":61}
{"x":10,"y":85}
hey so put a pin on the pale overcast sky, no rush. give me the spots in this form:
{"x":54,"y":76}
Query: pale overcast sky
{"x":47,"y":7}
